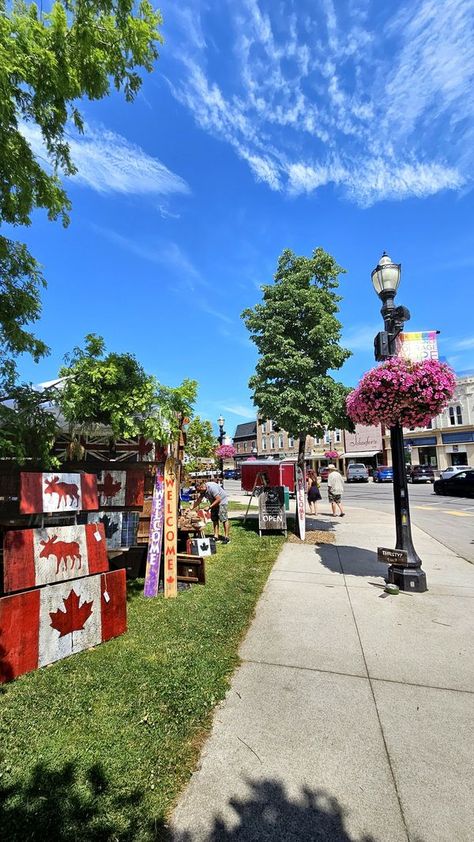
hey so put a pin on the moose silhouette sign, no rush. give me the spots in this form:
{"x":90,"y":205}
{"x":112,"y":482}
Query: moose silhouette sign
{"x":55,"y":492}
{"x":34,"y":557}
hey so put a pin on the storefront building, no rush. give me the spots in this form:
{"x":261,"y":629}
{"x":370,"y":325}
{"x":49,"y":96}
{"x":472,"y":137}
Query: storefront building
{"x":449,"y":438}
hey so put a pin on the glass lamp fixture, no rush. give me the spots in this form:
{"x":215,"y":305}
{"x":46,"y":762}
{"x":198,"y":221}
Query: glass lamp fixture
{"x":386,"y":277}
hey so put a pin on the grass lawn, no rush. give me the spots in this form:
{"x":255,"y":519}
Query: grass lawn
{"x":99,"y":745}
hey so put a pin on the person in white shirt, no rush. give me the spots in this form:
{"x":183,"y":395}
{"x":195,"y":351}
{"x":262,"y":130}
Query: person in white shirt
{"x":335,"y":490}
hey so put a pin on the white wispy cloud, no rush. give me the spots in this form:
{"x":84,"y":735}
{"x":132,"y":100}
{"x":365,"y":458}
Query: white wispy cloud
{"x":466,"y":344}
{"x":241,"y":411}
{"x":379,"y":108}
{"x":360,"y":337}
{"x":109,"y":163}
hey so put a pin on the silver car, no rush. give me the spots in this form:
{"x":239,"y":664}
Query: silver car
{"x":357,"y":472}
{"x":454,"y":469}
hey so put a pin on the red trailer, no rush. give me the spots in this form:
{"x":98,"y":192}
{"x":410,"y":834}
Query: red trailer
{"x":277,"y":473}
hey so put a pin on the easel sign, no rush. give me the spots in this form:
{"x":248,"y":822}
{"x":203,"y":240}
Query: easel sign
{"x":271,"y":509}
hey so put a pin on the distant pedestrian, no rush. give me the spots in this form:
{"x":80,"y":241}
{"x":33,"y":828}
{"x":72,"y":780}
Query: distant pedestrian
{"x":335,"y":490}
{"x":312,"y":491}
{"x":218,"y":499}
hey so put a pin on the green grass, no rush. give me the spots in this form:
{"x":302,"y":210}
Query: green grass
{"x":98,"y":746}
{"x":234,"y":506}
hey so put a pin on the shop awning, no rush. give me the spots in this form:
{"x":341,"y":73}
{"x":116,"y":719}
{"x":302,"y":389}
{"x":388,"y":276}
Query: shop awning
{"x":362,"y":454}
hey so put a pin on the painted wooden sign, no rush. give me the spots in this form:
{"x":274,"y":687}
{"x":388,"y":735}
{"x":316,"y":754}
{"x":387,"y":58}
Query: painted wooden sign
{"x":99,"y":448}
{"x":44,"y":556}
{"x":399,"y":558}
{"x":112,"y":523}
{"x":53,"y":492}
{"x":171,"y":528}
{"x":155,"y":541}
{"x":271,"y":509}
{"x":120,"y":488}
{"x":300,"y":503}
{"x":44,"y":625}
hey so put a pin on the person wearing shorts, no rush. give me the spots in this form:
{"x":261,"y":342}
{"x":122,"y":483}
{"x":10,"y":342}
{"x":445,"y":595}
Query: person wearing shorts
{"x":335,"y":490}
{"x":218,"y":508}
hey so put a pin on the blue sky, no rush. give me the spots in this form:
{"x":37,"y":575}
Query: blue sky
{"x":269,"y":124}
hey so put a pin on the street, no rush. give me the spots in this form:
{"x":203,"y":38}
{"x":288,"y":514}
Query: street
{"x":448,"y":519}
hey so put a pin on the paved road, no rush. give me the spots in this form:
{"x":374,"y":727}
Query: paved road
{"x":448,"y":519}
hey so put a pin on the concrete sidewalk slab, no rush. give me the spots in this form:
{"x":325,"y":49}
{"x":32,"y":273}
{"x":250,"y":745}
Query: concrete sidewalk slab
{"x":302,"y":732}
{"x":351,"y":715}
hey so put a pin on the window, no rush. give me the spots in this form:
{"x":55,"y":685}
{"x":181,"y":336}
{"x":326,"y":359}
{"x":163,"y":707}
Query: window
{"x":280,"y":442}
{"x":272,"y":442}
{"x":327,"y":437}
{"x":291,"y":441}
{"x":317,"y":441}
{"x":264,"y":426}
{"x":270,"y":426}
{"x":254,"y":445}
{"x":245,"y":447}
{"x":455,"y":415}
{"x":337,"y":436}
{"x":264,"y":443}
{"x":237,"y":446}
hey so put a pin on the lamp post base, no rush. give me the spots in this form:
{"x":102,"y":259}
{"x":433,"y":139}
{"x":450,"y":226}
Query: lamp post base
{"x":411,"y":579}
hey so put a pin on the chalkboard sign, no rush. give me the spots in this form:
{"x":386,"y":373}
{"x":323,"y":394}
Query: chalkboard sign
{"x":271,"y":509}
{"x":399,"y":558}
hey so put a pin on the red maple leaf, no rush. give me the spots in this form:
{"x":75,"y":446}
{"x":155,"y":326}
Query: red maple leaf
{"x":73,"y":618}
{"x":170,"y":580}
{"x":109,"y":488}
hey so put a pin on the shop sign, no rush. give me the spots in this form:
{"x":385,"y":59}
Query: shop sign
{"x":271,"y":509}
{"x":363,"y":438}
{"x":300,"y":503}
{"x":171,"y":528}
{"x":419,"y":346}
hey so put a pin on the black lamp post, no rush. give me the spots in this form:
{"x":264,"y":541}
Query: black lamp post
{"x":220,"y":423}
{"x":386,"y":278}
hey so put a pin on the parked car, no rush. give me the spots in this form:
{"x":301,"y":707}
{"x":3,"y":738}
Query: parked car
{"x":324,"y":474}
{"x":383,"y":473}
{"x":454,"y":469}
{"x":357,"y":472}
{"x":421,"y":473}
{"x":459,"y":485}
{"x":231,"y":473}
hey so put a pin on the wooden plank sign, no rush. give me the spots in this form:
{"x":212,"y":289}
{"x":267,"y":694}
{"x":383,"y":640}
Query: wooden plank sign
{"x":155,"y":540}
{"x":121,"y":489}
{"x":44,"y":625}
{"x":300,"y":503}
{"x":112,"y":523}
{"x":271,"y":509}
{"x":53,"y":492}
{"x":171,"y":528}
{"x":34,"y":557}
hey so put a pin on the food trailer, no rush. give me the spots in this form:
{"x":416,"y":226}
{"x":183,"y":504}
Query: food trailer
{"x":276,"y":473}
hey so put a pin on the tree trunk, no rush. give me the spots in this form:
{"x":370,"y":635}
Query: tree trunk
{"x":300,"y":464}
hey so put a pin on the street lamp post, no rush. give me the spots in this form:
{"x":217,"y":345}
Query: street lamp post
{"x":386,"y":278}
{"x":220,"y":424}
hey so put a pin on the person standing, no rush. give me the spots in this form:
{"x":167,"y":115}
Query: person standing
{"x":218,"y":500}
{"x":312,"y":491}
{"x":335,"y":490}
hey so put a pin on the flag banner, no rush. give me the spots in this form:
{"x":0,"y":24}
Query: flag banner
{"x":53,"y":492}
{"x":44,"y":625}
{"x":155,"y":540}
{"x":34,"y":557}
{"x":97,"y":449}
{"x":121,"y":488}
{"x":417,"y":347}
{"x":112,"y":523}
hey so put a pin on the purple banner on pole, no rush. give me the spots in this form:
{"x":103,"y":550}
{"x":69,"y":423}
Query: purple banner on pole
{"x":155,"y":540}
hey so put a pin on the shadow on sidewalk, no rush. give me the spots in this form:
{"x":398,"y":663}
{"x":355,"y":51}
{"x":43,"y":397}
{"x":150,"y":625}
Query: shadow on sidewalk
{"x":269,"y":815}
{"x":353,"y":561}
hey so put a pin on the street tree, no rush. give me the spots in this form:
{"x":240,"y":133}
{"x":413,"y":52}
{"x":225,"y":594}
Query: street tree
{"x":113,"y":390}
{"x":200,"y":442}
{"x":49,"y":61}
{"x":297,"y":334}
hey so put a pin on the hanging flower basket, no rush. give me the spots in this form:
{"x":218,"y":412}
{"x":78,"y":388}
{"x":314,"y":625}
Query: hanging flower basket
{"x":225,"y":451}
{"x":331,"y":454}
{"x":402,"y":391}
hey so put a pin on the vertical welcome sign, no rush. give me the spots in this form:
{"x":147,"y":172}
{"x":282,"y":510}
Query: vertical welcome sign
{"x":171,"y":527}
{"x":152,"y":575}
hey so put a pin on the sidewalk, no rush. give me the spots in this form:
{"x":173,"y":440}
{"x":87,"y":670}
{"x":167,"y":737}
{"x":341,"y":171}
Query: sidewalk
{"x":351,"y":716}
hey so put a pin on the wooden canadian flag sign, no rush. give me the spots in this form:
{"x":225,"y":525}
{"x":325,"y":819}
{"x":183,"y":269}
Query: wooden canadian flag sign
{"x":44,"y":556}
{"x":121,"y":488}
{"x":52,"y":492}
{"x":44,"y":625}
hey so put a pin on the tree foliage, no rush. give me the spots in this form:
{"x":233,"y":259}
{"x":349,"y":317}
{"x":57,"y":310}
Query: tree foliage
{"x":297,"y":334}
{"x":48,"y":63}
{"x":113,"y":390}
{"x":28,"y":427}
{"x":200,"y":442}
